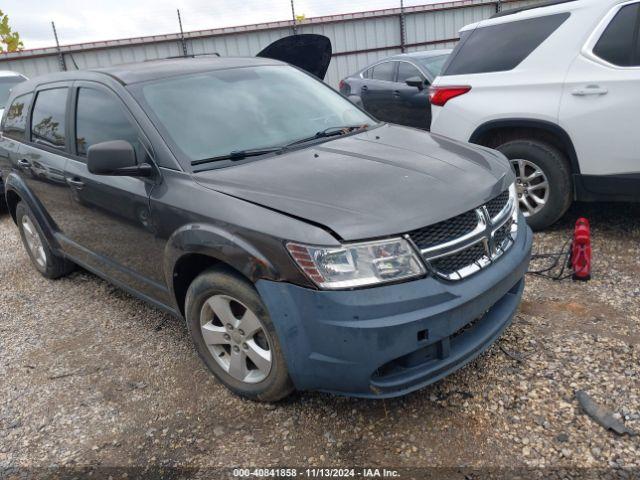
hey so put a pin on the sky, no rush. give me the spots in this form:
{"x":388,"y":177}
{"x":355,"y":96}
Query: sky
{"x":80,"y":21}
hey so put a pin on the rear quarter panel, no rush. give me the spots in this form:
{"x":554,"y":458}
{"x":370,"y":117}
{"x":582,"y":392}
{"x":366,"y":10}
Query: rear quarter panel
{"x":525,"y":93}
{"x":533,"y":90}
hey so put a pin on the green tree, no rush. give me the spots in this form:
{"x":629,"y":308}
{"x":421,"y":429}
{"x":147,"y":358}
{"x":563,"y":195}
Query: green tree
{"x":9,"y":40}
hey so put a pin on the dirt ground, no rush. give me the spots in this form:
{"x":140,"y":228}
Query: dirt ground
{"x":92,"y":377}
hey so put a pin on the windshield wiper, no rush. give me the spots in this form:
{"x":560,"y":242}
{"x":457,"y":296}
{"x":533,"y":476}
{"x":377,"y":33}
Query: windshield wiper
{"x":239,"y":155}
{"x":329,"y":132}
{"x":254,"y":152}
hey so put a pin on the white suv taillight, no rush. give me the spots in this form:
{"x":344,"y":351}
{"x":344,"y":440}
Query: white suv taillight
{"x":439,"y":96}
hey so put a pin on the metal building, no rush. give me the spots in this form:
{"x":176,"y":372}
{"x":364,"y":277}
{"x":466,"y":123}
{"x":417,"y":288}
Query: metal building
{"x":358,"y":39}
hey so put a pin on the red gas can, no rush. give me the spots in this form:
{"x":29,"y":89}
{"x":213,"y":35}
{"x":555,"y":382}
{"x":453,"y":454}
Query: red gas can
{"x":581,"y":251}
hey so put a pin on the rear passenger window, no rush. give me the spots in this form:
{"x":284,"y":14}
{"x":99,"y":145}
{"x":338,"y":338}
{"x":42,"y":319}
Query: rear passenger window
{"x":48,"y":118}
{"x":618,"y":43}
{"x":15,"y":123}
{"x":406,"y":70}
{"x":100,"y":117}
{"x":502,"y":47}
{"x":384,"y":71}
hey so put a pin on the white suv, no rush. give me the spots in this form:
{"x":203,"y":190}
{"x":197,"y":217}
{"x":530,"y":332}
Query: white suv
{"x":556,"y":88}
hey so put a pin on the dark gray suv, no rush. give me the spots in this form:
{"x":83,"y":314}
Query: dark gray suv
{"x":306,"y":245}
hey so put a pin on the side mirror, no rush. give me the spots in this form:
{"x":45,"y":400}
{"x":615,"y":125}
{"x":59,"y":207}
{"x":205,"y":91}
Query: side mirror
{"x":116,"y":158}
{"x":416,"y":81}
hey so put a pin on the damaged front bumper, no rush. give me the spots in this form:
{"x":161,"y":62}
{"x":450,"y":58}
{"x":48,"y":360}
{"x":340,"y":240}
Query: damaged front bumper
{"x":390,"y":340}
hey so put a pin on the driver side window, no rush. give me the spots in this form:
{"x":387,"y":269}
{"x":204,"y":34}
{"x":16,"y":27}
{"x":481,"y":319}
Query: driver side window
{"x":406,"y":71}
{"x":100,"y":117}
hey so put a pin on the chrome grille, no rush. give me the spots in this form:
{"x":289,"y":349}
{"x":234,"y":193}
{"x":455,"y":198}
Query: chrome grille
{"x":502,"y":234}
{"x":495,"y":206}
{"x":467,"y":243}
{"x":445,"y":231}
{"x":452,"y":263}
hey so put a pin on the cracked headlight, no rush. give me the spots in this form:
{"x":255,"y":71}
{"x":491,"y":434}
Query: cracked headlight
{"x":358,"y":264}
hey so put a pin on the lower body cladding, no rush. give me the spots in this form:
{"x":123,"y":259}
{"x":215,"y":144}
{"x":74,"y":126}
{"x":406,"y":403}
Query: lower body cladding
{"x":390,"y":340}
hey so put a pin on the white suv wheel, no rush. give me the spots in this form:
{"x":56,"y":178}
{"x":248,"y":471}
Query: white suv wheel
{"x":532,"y":186}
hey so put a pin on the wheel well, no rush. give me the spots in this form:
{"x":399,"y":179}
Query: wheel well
{"x":498,"y":135}
{"x":188,"y":268}
{"x":12,"y":202}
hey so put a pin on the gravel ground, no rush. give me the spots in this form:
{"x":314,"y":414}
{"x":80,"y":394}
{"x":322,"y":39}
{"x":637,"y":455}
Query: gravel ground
{"x":92,"y":376}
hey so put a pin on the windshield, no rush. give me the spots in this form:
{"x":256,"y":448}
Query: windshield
{"x":6,"y":84}
{"x":433,"y":64}
{"x":218,"y":112}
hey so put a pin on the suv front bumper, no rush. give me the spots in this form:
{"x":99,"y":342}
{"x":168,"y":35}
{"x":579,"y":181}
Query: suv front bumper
{"x":390,"y":340}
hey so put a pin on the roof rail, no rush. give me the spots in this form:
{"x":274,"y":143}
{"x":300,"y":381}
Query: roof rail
{"x":524,"y":9}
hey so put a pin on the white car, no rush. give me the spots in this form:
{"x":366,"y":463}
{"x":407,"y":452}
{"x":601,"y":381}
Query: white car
{"x":8,"y":80}
{"x":555,"y":88}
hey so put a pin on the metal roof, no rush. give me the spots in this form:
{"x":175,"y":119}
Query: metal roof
{"x":79,"y":47}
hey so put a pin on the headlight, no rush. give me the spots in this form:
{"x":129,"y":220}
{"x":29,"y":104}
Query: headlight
{"x":358,"y":264}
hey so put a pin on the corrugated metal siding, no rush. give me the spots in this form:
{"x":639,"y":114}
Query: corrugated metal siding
{"x":358,"y":39}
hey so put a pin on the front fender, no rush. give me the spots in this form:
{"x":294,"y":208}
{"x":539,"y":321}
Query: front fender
{"x":230,"y":249}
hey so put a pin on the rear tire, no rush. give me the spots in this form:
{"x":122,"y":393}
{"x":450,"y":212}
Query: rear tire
{"x":49,"y":264}
{"x":543,"y":180}
{"x":241,"y":347}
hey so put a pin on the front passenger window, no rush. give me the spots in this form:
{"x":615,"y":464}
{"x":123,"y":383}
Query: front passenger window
{"x":100,"y":117}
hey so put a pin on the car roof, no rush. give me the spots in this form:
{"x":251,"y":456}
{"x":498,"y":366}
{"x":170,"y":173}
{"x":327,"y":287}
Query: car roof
{"x":420,"y":54}
{"x":545,"y":8}
{"x":153,"y":70}
{"x":156,"y":69}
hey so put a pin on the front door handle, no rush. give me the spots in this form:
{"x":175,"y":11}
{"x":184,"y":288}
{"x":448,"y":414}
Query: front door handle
{"x":75,"y":183}
{"x":23,"y":163}
{"x":364,"y":88}
{"x":589,"y":90}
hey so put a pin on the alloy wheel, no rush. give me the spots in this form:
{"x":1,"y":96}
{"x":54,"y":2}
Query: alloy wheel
{"x":236,"y":338}
{"x":34,"y":242}
{"x":532,"y":186}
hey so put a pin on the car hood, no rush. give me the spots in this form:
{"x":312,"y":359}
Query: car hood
{"x":385,"y":181}
{"x":309,"y":51}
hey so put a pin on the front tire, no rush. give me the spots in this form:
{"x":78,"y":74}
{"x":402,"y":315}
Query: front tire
{"x":543,"y":180}
{"x":49,"y":264}
{"x":234,"y":336}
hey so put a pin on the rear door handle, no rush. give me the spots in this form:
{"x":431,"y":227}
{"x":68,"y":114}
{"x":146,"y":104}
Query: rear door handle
{"x":364,"y":88}
{"x":589,"y":90}
{"x":75,"y":183}
{"x":22,"y":163}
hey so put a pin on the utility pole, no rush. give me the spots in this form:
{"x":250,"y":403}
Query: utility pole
{"x":61,"y":62}
{"x":293,"y":16}
{"x":182,"y":41}
{"x":403,"y":31}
